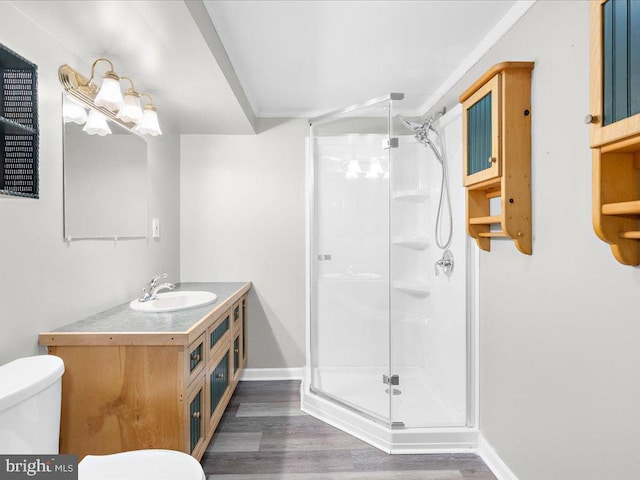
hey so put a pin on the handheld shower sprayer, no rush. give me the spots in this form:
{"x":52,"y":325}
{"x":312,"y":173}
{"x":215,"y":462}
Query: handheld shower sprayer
{"x":421,"y":134}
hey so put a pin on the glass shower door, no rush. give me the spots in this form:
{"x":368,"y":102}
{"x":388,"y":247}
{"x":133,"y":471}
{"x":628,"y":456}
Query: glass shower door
{"x":350,"y":260}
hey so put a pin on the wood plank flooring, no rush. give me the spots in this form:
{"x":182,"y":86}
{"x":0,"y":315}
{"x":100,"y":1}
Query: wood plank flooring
{"x":263,"y":435}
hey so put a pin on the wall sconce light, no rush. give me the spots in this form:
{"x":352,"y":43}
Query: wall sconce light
{"x":109,"y":101}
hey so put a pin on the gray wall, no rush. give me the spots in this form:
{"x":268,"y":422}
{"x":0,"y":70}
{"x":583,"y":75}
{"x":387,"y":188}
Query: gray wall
{"x":242,"y":218}
{"x":559,"y":334}
{"x":45,"y":282}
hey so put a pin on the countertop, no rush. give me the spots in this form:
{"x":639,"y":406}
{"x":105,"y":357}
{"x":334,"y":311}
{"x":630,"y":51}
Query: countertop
{"x":122,"y":325}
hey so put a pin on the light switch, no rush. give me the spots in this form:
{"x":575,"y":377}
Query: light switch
{"x":156,"y":227}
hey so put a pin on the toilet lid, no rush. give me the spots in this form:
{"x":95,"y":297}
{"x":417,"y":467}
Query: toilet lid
{"x":141,"y":465}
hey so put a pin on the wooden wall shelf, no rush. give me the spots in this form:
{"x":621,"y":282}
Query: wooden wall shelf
{"x":496,"y":125}
{"x":615,"y":128}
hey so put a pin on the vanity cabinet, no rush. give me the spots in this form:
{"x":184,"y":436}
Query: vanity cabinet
{"x":615,"y":125}
{"x":496,"y":132}
{"x":127,"y":390}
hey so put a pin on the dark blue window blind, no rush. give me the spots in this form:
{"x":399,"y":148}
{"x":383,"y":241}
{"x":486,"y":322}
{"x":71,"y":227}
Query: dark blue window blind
{"x":621,"y":59}
{"x":479,"y":135}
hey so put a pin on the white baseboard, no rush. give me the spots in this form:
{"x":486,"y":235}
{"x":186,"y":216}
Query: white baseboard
{"x":263,"y":374}
{"x":493,"y":461}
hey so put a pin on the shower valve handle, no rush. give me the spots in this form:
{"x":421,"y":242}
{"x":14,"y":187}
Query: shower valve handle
{"x":445,"y":263}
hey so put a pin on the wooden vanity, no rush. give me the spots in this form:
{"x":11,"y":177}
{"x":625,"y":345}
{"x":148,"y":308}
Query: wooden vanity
{"x":150,"y":380}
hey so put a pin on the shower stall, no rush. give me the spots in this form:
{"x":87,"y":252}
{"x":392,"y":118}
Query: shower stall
{"x":391,"y":328}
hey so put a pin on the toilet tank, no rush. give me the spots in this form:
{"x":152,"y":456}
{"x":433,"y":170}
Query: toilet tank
{"x":30,"y":399}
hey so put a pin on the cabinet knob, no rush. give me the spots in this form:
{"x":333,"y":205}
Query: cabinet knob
{"x":492,"y":160}
{"x":196,"y":414}
{"x":591,"y":119}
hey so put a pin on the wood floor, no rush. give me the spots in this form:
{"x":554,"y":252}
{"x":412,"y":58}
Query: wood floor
{"x":264,"y":436}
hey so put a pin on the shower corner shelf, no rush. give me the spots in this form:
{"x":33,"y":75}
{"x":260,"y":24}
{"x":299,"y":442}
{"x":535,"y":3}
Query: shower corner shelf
{"x":418,"y":289}
{"x":615,"y":134}
{"x":496,"y":125}
{"x":415,"y":242}
{"x":413,"y":196}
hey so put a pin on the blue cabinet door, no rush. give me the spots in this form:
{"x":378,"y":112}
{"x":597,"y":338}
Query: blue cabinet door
{"x":195,"y":420}
{"x":219,"y":382}
{"x":481,"y":133}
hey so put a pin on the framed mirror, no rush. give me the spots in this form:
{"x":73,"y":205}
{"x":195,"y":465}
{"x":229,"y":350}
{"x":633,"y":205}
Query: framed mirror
{"x":106,"y":181}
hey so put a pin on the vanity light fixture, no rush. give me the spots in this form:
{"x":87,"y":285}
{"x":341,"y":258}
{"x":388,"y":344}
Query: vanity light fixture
{"x":109,"y":101}
{"x":96,"y":124}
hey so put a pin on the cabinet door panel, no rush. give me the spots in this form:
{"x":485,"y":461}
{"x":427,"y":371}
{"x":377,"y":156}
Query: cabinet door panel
{"x":219,"y":383}
{"x":236,"y":355}
{"x":196,"y":419}
{"x":481,"y":132}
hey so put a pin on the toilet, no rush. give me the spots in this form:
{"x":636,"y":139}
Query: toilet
{"x":30,"y":401}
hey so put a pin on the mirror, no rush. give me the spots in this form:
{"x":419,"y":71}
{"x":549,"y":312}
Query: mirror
{"x":105,"y":183}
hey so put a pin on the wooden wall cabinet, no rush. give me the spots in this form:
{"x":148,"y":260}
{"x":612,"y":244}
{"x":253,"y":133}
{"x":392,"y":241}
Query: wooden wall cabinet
{"x":496,"y":131}
{"x":134,"y":391}
{"x":615,"y":125}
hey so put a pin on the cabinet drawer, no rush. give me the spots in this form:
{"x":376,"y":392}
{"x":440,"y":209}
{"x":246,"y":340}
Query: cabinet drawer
{"x":218,"y":333}
{"x":196,"y":357}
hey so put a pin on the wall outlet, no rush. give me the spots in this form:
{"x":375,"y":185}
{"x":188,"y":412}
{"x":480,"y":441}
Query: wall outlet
{"x":155,"y":227}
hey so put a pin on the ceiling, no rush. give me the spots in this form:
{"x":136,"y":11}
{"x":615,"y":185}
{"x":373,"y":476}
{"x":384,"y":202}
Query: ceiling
{"x":212,"y":66}
{"x":304,"y":58}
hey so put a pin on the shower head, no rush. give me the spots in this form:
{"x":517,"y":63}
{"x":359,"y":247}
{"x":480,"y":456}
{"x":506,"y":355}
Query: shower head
{"x":414,"y":126}
{"x":425,"y":125}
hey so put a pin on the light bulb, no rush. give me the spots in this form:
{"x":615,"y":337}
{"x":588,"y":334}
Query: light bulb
{"x":96,"y":124}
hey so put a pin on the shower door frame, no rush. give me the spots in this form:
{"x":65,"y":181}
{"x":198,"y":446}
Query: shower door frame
{"x":310,"y":248}
{"x":472,"y":299}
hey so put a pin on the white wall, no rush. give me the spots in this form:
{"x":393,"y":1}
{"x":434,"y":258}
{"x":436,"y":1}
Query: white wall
{"x":560,"y":329}
{"x":44,"y":281}
{"x":242,"y":218}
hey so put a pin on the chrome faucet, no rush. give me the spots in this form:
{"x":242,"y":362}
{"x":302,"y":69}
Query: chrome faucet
{"x":162,"y":286}
{"x":152,"y":288}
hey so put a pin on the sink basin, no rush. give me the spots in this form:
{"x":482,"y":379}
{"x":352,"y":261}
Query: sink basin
{"x":173,"y":301}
